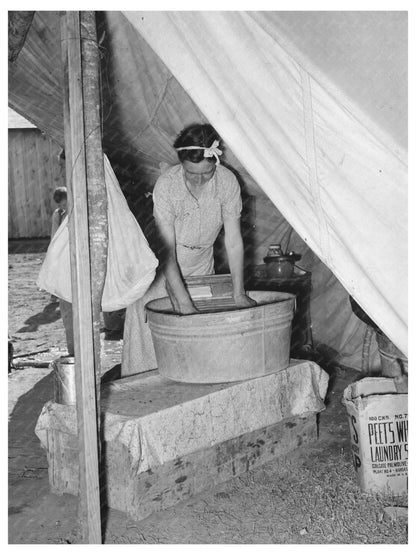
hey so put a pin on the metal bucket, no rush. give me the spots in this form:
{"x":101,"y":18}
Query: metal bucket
{"x":64,"y":380}
{"x":223,"y":345}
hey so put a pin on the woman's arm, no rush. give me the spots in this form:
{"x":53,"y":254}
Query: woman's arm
{"x":175,"y":286}
{"x":235,"y":253}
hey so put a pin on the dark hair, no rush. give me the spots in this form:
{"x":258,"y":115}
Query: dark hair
{"x":59,"y":194}
{"x":197,"y":134}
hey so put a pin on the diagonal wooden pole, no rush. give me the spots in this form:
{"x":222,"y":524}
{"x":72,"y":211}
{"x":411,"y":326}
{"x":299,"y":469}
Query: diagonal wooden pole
{"x":88,"y":246}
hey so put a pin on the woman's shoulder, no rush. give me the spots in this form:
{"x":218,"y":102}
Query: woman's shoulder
{"x":225,"y":174}
{"x":227,"y":181}
{"x":169,"y":175}
{"x":168,"y":183}
{"x":169,"y":186}
{"x":223,"y":170}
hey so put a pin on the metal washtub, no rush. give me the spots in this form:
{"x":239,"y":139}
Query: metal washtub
{"x":222,"y":343}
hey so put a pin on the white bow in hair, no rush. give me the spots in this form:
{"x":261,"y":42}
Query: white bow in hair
{"x":213,"y":150}
{"x":209,"y":152}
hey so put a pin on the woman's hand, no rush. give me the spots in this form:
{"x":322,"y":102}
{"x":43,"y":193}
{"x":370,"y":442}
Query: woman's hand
{"x":187,"y":308}
{"x":244,"y":301}
{"x":182,"y":306}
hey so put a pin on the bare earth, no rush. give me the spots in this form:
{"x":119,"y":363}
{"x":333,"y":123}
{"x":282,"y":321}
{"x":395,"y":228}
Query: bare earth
{"x":309,"y":497}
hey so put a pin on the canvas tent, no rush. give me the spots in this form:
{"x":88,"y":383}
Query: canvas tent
{"x":313,"y":110}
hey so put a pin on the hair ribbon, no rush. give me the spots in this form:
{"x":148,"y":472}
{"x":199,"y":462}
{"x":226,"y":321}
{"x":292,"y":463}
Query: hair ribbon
{"x":209,"y":152}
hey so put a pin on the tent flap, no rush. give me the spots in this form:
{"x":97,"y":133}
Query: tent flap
{"x":334,"y":180}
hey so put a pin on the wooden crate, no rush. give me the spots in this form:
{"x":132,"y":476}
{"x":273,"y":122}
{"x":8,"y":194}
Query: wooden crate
{"x":164,"y":442}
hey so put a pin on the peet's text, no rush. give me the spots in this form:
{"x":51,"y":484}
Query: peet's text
{"x":388,"y":441}
{"x":383,"y":433}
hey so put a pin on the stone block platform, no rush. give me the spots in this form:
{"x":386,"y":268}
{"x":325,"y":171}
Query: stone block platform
{"x":163,"y":441}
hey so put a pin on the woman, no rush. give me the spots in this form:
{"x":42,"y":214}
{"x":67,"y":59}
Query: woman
{"x":192,"y":202}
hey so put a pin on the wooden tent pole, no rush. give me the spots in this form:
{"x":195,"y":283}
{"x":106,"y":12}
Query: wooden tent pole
{"x":88,"y":244}
{"x":97,"y":196}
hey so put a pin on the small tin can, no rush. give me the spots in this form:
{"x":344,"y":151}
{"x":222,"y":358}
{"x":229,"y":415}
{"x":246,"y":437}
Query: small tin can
{"x":64,"y":380}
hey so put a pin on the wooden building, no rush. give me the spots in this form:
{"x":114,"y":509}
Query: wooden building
{"x":35,"y":170}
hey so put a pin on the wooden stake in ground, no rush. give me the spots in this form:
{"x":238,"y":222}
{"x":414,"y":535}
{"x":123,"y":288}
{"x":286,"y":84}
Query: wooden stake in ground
{"x":88,"y":244}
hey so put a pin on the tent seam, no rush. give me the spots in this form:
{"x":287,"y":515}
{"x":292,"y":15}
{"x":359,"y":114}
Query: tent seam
{"x":331,"y":88}
{"x":311,"y":160}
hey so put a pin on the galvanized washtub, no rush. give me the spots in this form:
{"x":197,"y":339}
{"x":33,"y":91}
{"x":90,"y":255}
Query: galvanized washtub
{"x":223,"y":344}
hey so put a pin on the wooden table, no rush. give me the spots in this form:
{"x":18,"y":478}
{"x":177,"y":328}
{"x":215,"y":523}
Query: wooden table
{"x":300,"y":284}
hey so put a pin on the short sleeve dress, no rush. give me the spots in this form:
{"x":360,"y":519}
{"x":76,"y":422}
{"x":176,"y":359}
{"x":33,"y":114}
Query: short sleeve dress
{"x":197,"y":223}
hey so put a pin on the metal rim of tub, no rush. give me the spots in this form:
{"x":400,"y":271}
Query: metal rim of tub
{"x":223,"y":346}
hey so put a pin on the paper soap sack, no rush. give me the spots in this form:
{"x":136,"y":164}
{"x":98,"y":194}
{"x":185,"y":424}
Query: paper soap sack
{"x":131,"y":264}
{"x":378,"y":419}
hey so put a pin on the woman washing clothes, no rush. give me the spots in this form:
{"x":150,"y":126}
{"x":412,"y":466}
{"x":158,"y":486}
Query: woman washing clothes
{"x":192,"y":202}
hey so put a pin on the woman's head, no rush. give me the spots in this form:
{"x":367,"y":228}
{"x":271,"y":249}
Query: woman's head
{"x":196,"y":135}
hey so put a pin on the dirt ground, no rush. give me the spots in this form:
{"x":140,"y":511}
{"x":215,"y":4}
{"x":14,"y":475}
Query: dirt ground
{"x":309,"y":497}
